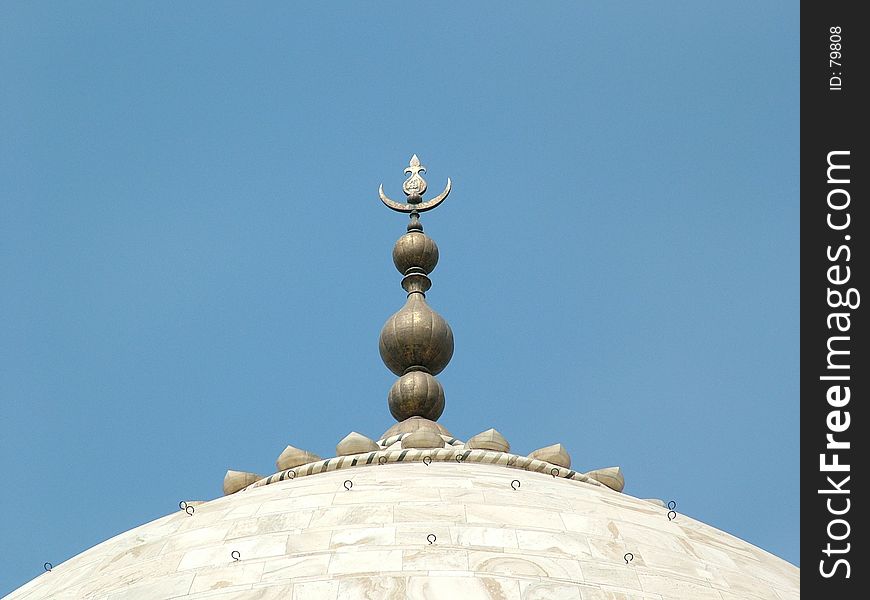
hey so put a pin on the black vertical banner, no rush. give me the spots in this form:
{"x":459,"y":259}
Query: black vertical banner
{"x":835,"y":368}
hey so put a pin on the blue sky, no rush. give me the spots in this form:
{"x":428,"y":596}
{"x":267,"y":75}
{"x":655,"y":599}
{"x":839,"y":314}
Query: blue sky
{"x":195,"y":266}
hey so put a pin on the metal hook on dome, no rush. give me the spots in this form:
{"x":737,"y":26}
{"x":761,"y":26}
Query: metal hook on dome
{"x":459,"y":458}
{"x":47,"y":566}
{"x":517,"y":482}
{"x":235,"y":555}
{"x":427,"y":460}
{"x":186,"y":508}
{"x":554,"y":472}
{"x":291,"y":474}
{"x":431,"y":538}
{"x":348,"y":484}
{"x":382,"y":460}
{"x":628,"y":557}
{"x":672,"y":505}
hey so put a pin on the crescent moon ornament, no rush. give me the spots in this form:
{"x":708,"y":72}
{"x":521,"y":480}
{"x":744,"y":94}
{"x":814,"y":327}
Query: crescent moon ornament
{"x":414,"y":188}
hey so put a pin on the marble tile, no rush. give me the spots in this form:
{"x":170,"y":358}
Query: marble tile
{"x":337,"y":516}
{"x":236,"y":574}
{"x":270,"y":523}
{"x":435,"y":587}
{"x":672,"y":587}
{"x":236,"y":592}
{"x":357,"y":537}
{"x":294,"y":503}
{"x":597,"y":526}
{"x":514,"y":516}
{"x":202,"y":518}
{"x":742,"y":584}
{"x":514,"y":565}
{"x":314,"y":590}
{"x":711,"y":555}
{"x":155,"y":530}
{"x":484,"y":537}
{"x":523,"y":496}
{"x":421,"y":512}
{"x":787,"y":594}
{"x":308,"y":541}
{"x":553,"y":543}
{"x":615,"y":593}
{"x":638,"y":534}
{"x":131,"y":555}
{"x":242,"y":510}
{"x":681,"y":564}
{"x":768,"y":568}
{"x":366,"y":561}
{"x":163,"y":587}
{"x":290,"y":567}
{"x":462,"y":496}
{"x":613,"y":551}
{"x":415,"y":534}
{"x":130,"y":574}
{"x":372,"y":493}
{"x":373,"y":588}
{"x":618,"y":575}
{"x":253,"y":548}
{"x":549,"y":590}
{"x":435,"y":559}
{"x":204,"y":536}
{"x":259,"y":592}
{"x":732,"y":546}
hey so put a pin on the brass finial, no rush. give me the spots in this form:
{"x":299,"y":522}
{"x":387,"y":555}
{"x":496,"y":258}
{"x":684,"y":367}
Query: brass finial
{"x":416,"y":343}
{"x":414,"y":188}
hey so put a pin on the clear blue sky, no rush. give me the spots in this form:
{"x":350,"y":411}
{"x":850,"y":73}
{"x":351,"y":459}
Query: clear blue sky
{"x":195,"y":266}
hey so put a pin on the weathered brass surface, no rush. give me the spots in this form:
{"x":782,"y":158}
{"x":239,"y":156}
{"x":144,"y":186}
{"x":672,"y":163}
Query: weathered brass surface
{"x":416,"y":336}
{"x":416,"y":342}
{"x":414,"y":188}
{"x":416,"y":393}
{"x":413,"y":424}
{"x":415,"y":249}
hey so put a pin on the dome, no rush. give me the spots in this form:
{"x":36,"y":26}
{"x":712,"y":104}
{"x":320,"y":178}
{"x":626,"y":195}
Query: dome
{"x":412,"y":530}
{"x":419,"y":514}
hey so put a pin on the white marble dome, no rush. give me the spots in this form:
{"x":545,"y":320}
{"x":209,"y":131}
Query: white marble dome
{"x":311,"y":539}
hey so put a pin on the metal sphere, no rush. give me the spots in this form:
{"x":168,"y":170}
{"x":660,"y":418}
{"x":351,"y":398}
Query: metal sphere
{"x":416,"y":336}
{"x":415,"y":249}
{"x":416,"y":394}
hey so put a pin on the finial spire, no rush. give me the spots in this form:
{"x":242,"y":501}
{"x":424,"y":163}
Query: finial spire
{"x":414,"y":188}
{"x":416,"y":343}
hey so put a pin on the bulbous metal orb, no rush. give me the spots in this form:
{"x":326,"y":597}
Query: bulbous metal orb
{"x":415,"y":249}
{"x":416,"y":336}
{"x":416,"y":394}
